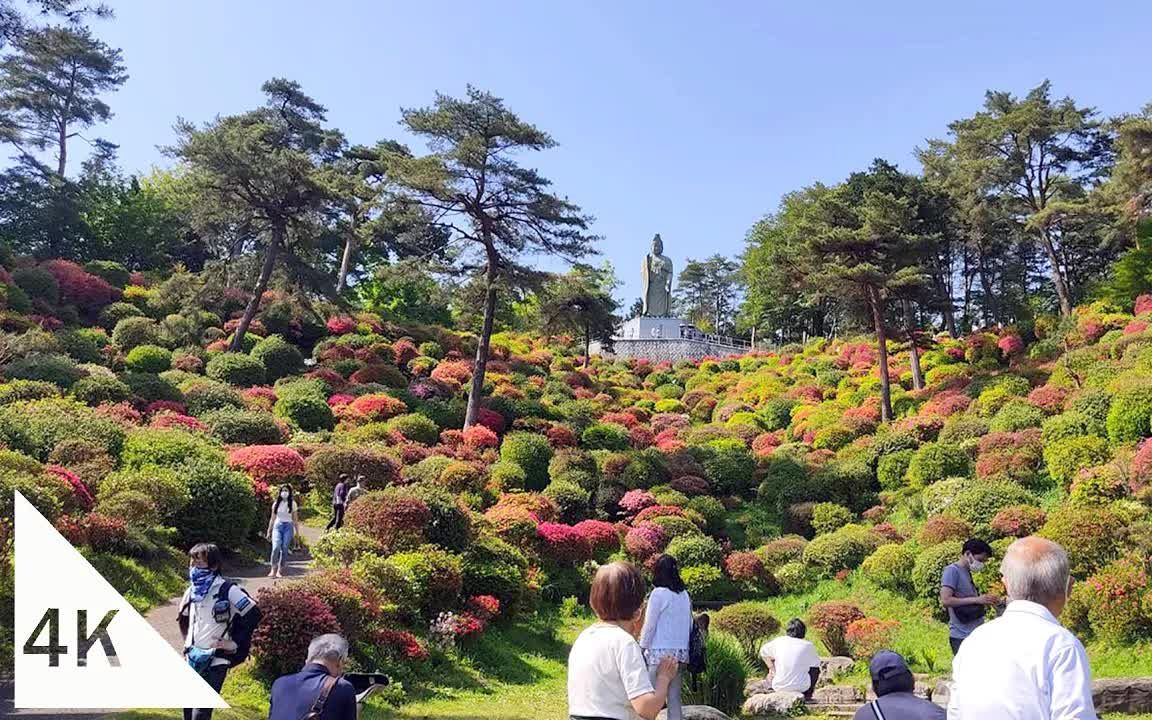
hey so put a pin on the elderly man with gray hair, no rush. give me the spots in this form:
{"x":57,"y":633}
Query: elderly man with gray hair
{"x":317,"y":691}
{"x":1024,"y":665}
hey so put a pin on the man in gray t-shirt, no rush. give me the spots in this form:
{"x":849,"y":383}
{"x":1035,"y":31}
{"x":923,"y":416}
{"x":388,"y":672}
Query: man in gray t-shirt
{"x":959,"y":595}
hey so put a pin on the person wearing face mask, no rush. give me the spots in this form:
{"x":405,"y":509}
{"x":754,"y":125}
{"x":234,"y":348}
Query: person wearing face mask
{"x":217,"y":618}
{"x":1024,"y":664}
{"x":966,"y":605}
{"x":607,"y":676}
{"x":318,"y":690}
{"x":283,"y":525}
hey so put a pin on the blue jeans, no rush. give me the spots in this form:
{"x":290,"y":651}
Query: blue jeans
{"x":281,"y":541}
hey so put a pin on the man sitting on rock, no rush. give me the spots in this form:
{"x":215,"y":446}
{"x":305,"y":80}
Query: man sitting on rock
{"x":792,"y":661}
{"x":893,"y":683}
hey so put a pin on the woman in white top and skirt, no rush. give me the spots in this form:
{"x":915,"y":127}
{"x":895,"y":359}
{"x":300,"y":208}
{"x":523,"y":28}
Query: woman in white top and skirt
{"x":667,"y":625}
{"x":607,"y":676}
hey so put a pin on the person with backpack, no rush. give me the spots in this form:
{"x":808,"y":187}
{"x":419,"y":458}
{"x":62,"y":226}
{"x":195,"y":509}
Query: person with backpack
{"x":217,"y":618}
{"x":965,"y":604}
{"x":894,"y":684}
{"x":283,"y":525}
{"x":317,"y":692}
{"x":339,"y":498}
{"x":667,"y":626}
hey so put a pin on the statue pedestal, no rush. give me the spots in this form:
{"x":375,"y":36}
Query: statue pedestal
{"x":668,"y":339}
{"x":653,"y":328}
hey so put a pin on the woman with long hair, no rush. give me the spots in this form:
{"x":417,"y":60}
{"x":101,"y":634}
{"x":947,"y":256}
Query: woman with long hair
{"x":283,"y":525}
{"x":667,"y":626}
{"x":607,"y":676}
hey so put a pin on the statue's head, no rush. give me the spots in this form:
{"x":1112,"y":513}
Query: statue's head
{"x":657,"y":245}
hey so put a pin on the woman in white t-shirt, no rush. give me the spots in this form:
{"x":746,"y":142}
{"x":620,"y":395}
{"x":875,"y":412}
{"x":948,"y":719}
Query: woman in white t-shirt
{"x":607,"y":676}
{"x":667,"y":625}
{"x":283,"y":525}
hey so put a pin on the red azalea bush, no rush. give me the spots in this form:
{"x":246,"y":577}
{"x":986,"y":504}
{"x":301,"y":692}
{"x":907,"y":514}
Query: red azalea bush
{"x":81,"y":497}
{"x":561,"y":436}
{"x":656,"y":511}
{"x":99,"y":532}
{"x":401,"y":644}
{"x":158,"y":406}
{"x":942,"y":528}
{"x":563,"y":543}
{"x":78,"y":287}
{"x":1049,"y":398}
{"x":397,"y":521}
{"x":1018,"y":521}
{"x":868,"y":636}
{"x":291,"y":617}
{"x":601,"y":536}
{"x":373,"y":408}
{"x":946,"y":403}
{"x":404,"y":351}
{"x":491,"y":419}
{"x":341,"y":325}
{"x":355,"y":605}
{"x":484,"y":607}
{"x":640,"y":437}
{"x":271,"y":464}
{"x":1117,"y":598}
{"x":1143,"y":305}
{"x":1141,"y":467}
{"x":173,"y":420}
{"x":886,"y":531}
{"x":479,"y":436}
{"x":513,"y":524}
{"x":691,"y":485}
{"x":831,"y":621}
{"x":454,"y":372}
{"x":644,"y":541}
{"x":1010,"y":345}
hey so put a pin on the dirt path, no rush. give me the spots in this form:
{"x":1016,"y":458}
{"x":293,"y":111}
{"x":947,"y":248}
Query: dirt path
{"x":163,"y":618}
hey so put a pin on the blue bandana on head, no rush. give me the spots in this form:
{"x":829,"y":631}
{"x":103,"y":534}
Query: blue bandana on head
{"x":201,"y":579}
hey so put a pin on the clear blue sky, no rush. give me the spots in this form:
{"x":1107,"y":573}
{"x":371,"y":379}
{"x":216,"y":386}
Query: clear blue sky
{"x":688,"y":119}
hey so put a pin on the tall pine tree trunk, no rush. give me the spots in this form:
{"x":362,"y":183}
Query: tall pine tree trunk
{"x":482,"y":348}
{"x":913,"y":351}
{"x":1058,"y":279}
{"x":62,"y":156}
{"x":876,"y":303}
{"x":270,"y":255}
{"x":947,"y":308}
{"x":587,"y":343}
{"x":350,"y":246}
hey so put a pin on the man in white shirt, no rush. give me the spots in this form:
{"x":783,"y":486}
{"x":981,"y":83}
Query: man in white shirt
{"x":1024,"y":665}
{"x":794,"y":662}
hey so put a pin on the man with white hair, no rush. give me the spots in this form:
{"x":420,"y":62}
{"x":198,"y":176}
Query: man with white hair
{"x":318,"y":688}
{"x":1024,"y":665}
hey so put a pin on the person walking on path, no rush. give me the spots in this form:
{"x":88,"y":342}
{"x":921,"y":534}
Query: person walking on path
{"x":1025,"y":665}
{"x":318,"y":686}
{"x":339,"y":497}
{"x":893,"y":684}
{"x":607,"y":676}
{"x":667,"y":626}
{"x":217,"y":618}
{"x":283,"y":526}
{"x":958,"y":593}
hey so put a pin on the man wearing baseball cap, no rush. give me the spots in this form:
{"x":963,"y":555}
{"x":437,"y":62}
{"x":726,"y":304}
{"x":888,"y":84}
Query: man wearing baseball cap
{"x":892,"y":682}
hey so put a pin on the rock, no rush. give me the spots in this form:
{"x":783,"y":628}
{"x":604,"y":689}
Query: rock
{"x":922,"y":689}
{"x":757,"y":686}
{"x":832,"y":668}
{"x":942,"y":692}
{"x":697,"y":712}
{"x":1129,"y":696}
{"x":773,"y":705}
{"x":838,"y":695}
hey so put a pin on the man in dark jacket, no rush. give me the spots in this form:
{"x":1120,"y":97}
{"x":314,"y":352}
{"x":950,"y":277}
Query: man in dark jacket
{"x":293,"y":696}
{"x":893,"y":684}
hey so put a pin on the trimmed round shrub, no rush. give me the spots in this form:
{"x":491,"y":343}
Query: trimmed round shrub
{"x":166,"y":489}
{"x":978,"y":503}
{"x":60,"y":370}
{"x":1065,"y":458}
{"x":747,"y":572}
{"x":269,"y":464}
{"x":433,"y":577}
{"x":571,"y":500}
{"x":101,"y":389}
{"x":290,"y":618}
{"x":279,"y":357}
{"x":324,"y":467}
{"x":929,"y":568}
{"x":1130,"y":414}
{"x":776,"y":413}
{"x":830,"y":620}
{"x":694,"y":550}
{"x":204,"y":396}
{"x":493,"y":567}
{"x":148,"y":359}
{"x":451,"y":526}
{"x":416,"y":428}
{"x":749,"y":622}
{"x":229,"y":497}
{"x":1117,"y":601}
{"x":236,"y":369}
{"x":942,"y":528}
{"x":148,"y":388}
{"x":35,"y":428}
{"x":731,"y":470}
{"x":1016,"y":415}
{"x":562,"y":544}
{"x":20,"y":390}
{"x":38,"y":283}
{"x":843,"y":549}
{"x":112,"y":314}
{"x":134,"y":331}
{"x":828,"y":517}
{"x":934,"y":462}
{"x":606,"y":436}
{"x":676,"y":525}
{"x":712,"y":510}
{"x":243,"y":427}
{"x":341,"y":548}
{"x":937,"y":497}
{"x":532,"y":453}
{"x":167,"y":447}
{"x":890,"y":567}
{"x":1018,"y":521}
{"x":892,"y":468}
{"x":868,"y":636}
{"x":1093,"y":537}
{"x":602,"y":536}
{"x":397,"y":520}
{"x":705,"y":582}
{"x":782,"y":550}
{"x":304,"y":404}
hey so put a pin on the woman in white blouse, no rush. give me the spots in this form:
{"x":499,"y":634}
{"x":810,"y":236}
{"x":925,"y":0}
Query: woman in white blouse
{"x":667,"y":625}
{"x":607,"y":676}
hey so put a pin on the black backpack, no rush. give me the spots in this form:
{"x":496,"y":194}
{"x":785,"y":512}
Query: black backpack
{"x":697,"y":650}
{"x":238,"y":628}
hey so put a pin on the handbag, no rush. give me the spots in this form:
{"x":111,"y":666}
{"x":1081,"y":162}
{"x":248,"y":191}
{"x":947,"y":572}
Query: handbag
{"x":969,"y":613}
{"x":199,"y":658}
{"x":321,"y":700}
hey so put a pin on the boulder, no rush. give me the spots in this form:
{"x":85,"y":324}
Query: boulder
{"x":838,"y":695}
{"x":773,"y":705}
{"x":1128,"y":696}
{"x":697,"y":712}
{"x":942,"y":692}
{"x":832,"y":668}
{"x":757,"y":686}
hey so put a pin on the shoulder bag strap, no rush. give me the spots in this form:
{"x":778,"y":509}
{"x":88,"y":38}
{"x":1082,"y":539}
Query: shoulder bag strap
{"x":322,"y":698}
{"x":875,"y":705}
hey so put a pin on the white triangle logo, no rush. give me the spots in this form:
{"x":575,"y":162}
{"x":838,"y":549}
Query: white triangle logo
{"x":134,"y":668}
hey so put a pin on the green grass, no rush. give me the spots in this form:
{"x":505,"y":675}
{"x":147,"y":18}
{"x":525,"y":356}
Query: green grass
{"x":143,"y":584}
